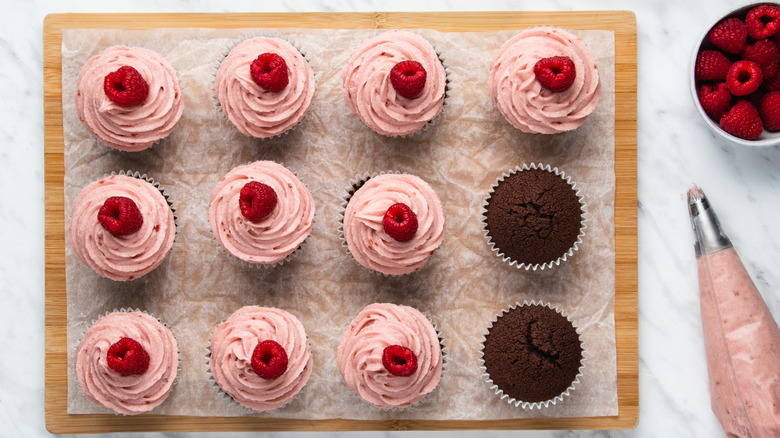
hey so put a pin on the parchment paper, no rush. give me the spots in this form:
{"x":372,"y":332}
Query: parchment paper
{"x":462,"y":287}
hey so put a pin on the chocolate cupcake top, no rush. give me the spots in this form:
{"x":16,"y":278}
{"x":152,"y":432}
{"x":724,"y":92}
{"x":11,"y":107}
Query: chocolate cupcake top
{"x":532,"y":353}
{"x":533,"y":216}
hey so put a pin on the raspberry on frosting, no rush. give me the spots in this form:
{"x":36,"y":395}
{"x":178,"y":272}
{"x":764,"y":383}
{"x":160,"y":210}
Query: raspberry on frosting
{"x":269,"y":71}
{"x":408,"y":78}
{"x":555,"y":73}
{"x":400,"y":222}
{"x":399,"y":361}
{"x":269,"y":360}
{"x":127,"y":356}
{"x":256,"y":200}
{"x":120,"y":216}
{"x":126,"y":86}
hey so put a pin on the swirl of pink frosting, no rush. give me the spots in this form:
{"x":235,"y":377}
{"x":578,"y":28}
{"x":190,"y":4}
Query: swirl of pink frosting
{"x":370,"y":94}
{"x":523,"y":101}
{"x":232,"y":345}
{"x":121,"y":258}
{"x":128,"y":394}
{"x":364,"y":231}
{"x":273,"y":238}
{"x":359,"y":355}
{"x":132,"y":128}
{"x":253,"y":110}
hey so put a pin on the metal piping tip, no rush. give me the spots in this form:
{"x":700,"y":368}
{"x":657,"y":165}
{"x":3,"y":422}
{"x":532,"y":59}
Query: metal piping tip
{"x":710,"y":237}
{"x":697,"y":201}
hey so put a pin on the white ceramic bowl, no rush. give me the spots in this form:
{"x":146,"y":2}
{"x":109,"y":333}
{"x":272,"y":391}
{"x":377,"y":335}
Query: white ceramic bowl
{"x":767,"y":138}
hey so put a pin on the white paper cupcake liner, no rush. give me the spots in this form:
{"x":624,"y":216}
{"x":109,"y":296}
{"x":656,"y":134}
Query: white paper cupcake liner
{"x":551,"y":263}
{"x":175,"y":382}
{"x":224,"y":55}
{"x":246,"y":264}
{"x":520,"y":403}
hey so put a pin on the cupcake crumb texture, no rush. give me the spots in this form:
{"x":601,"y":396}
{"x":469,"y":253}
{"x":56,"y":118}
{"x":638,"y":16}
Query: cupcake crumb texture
{"x":532,"y":353}
{"x":534,"y":216}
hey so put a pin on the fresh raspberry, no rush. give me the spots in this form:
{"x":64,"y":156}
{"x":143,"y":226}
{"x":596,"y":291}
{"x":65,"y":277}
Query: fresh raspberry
{"x":120,"y":216}
{"x":711,"y":65}
{"x":556,"y":73}
{"x":269,"y":360}
{"x":763,"y":21}
{"x":715,"y":99}
{"x":408,"y":78}
{"x":126,"y":86}
{"x":400,"y":222}
{"x":742,"y":121}
{"x":399,"y":361}
{"x":127,"y":356}
{"x":765,"y":54}
{"x":256,"y":200}
{"x":769,"y":109}
{"x":744,"y":78}
{"x":729,"y":35}
{"x":269,"y":71}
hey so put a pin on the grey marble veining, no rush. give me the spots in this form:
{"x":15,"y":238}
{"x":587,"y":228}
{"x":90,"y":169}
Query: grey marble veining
{"x":675,"y":151}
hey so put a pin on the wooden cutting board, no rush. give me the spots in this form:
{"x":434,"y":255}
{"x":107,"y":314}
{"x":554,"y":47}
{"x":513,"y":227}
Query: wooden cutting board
{"x":622,"y":23}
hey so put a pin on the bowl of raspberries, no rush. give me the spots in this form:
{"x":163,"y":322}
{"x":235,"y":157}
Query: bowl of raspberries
{"x":735,"y":77}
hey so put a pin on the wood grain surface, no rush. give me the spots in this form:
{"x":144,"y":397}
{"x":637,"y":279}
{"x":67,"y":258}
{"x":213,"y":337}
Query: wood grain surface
{"x":622,"y":23}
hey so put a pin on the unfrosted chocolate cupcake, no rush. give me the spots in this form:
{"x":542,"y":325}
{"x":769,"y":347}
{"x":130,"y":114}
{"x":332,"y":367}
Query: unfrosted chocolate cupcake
{"x":534,"y":217}
{"x":532,"y":355}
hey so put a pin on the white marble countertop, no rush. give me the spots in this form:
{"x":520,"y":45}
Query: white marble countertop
{"x":675,"y":151}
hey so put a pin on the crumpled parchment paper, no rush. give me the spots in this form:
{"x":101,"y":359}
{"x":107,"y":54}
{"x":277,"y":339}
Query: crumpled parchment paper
{"x":462,"y":287}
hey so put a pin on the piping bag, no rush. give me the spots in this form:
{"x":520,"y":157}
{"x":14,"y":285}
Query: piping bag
{"x":741,"y":338}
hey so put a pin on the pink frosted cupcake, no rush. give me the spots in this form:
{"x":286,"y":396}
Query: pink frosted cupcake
{"x":395,"y":82}
{"x":264,"y":86}
{"x":127,"y":362}
{"x":393,"y":223}
{"x":260,"y":357}
{"x":391,"y":356}
{"x":122,"y":226}
{"x":128,"y":97}
{"x":544,"y":80}
{"x":261,"y":213}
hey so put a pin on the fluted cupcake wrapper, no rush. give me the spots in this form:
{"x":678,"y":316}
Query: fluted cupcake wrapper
{"x":520,"y":403}
{"x":246,"y":264}
{"x":447,"y":86}
{"x":551,"y":263}
{"x":442,"y":346}
{"x":127,"y":310}
{"x":224,"y":55}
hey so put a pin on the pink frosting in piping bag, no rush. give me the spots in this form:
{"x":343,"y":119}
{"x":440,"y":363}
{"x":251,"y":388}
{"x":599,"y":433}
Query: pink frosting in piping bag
{"x":741,"y":338}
